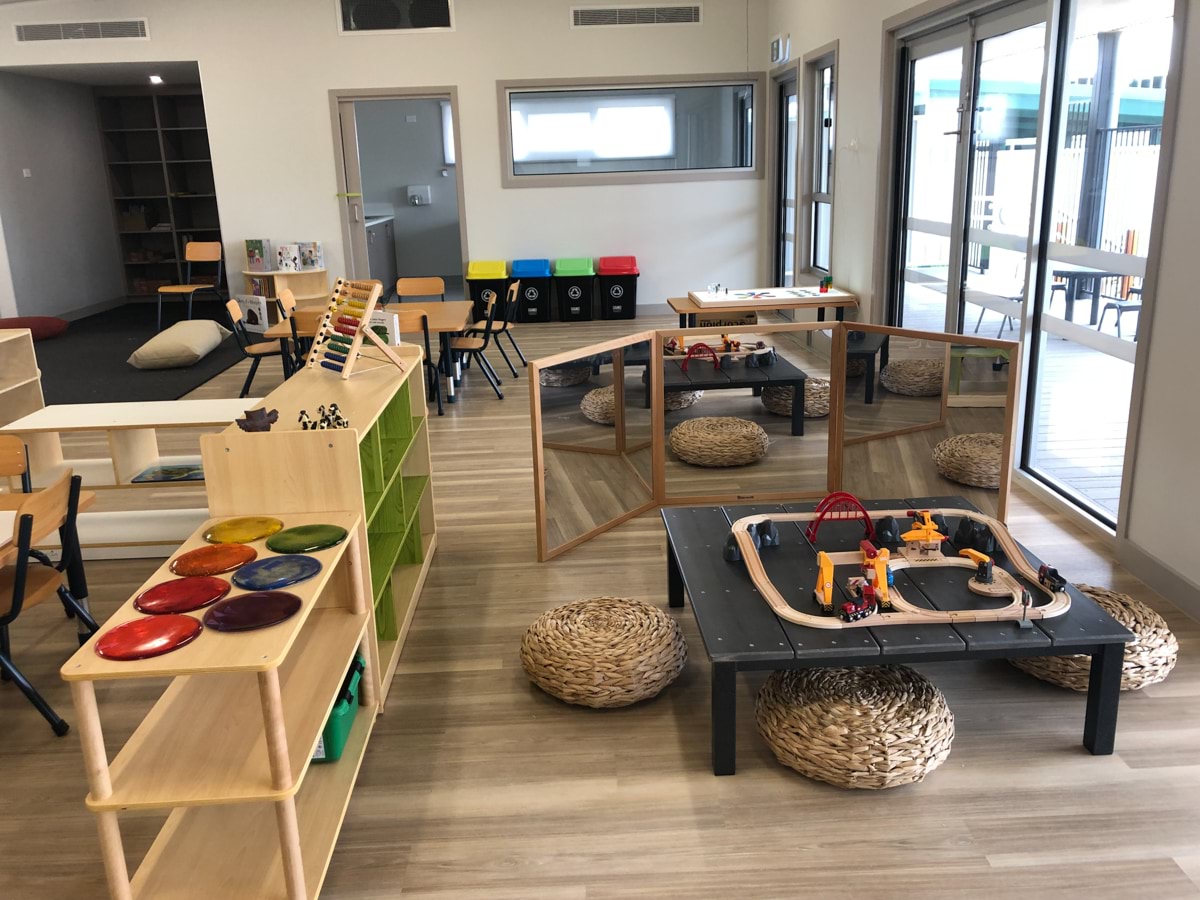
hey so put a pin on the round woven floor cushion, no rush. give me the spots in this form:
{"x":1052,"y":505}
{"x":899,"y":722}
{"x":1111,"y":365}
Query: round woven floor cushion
{"x":1148,"y":660}
{"x":600,"y":405}
{"x":565,"y":376}
{"x":972,"y":459}
{"x":873,"y":727}
{"x":913,"y":377}
{"x":856,"y":367}
{"x":718,"y":441}
{"x":778,"y":399}
{"x":603,"y":652}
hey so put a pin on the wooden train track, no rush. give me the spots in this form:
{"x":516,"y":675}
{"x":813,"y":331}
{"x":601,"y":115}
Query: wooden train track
{"x":903,"y":612}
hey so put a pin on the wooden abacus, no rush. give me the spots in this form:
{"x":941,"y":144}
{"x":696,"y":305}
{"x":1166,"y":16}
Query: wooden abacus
{"x":345,"y":325}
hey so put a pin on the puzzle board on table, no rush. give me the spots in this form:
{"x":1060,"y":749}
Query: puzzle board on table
{"x":765,"y":296}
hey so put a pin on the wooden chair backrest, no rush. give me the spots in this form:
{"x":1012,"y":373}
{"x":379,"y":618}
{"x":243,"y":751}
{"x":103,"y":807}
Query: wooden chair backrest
{"x":510,"y":302}
{"x":235,"y":312}
{"x":288,"y":301}
{"x":48,"y":508}
{"x":420,"y":287}
{"x":12,"y":456}
{"x":202,"y":251}
{"x":413,"y":319}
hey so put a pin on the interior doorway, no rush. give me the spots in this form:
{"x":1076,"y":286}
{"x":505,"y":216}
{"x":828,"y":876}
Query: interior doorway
{"x":400,"y":180}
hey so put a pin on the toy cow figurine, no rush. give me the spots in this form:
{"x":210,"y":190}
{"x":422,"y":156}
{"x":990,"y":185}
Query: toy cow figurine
{"x":306,"y":422}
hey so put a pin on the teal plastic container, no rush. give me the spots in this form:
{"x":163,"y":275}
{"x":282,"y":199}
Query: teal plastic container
{"x":337,"y":729}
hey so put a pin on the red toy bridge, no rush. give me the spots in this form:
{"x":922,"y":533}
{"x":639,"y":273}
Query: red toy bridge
{"x":841,"y":506}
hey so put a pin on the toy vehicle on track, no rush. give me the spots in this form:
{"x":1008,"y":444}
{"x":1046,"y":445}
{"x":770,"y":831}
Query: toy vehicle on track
{"x":1050,"y":578}
{"x":864,"y":603}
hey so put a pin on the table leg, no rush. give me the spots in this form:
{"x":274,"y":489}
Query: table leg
{"x":841,"y":314}
{"x":1096,"y":284}
{"x":798,"y":408}
{"x":674,"y":579}
{"x":869,"y":390}
{"x":820,"y":314}
{"x":447,"y":362}
{"x":1104,"y":693}
{"x":76,"y":580}
{"x":683,"y":320}
{"x":1069,"y":297}
{"x":724,"y":718}
{"x":883,"y":352}
{"x":691,"y":320}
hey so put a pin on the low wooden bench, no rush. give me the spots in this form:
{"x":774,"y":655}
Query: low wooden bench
{"x":741,"y":633}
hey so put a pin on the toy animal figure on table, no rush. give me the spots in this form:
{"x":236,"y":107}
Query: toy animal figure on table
{"x":326,"y":419}
{"x":258,"y":420}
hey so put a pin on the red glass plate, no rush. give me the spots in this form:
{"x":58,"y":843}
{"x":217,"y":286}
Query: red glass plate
{"x":181,"y":595}
{"x":247,"y":612}
{"x":213,"y":559}
{"x":151,"y":636}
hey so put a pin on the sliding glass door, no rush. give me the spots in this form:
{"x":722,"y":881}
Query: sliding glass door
{"x":971,"y":103}
{"x":1102,"y":175}
{"x":787,"y":112}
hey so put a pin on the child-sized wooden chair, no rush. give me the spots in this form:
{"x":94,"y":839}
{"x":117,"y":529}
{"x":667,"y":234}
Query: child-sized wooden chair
{"x":194,"y":252}
{"x":27,"y":578}
{"x":286,"y":301}
{"x":253,"y":350}
{"x":506,"y":321}
{"x":431,"y":286}
{"x":472,"y":346}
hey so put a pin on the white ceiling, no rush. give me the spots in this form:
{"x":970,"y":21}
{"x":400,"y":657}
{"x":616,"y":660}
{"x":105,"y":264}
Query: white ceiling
{"x":113,"y":74}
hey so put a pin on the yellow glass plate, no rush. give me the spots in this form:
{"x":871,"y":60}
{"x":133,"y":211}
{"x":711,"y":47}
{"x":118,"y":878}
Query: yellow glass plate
{"x":242,"y":530}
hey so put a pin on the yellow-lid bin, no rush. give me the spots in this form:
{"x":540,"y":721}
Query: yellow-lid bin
{"x":485,"y":269}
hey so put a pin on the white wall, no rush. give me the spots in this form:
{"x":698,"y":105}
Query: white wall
{"x":61,"y":240}
{"x":1166,"y":485}
{"x":394,"y":153}
{"x":267,"y":68}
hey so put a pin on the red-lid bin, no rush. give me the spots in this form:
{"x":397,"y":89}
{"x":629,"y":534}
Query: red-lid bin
{"x":617,"y":265}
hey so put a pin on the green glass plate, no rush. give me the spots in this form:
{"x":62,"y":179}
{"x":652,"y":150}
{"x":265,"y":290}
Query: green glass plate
{"x":306,"y":538}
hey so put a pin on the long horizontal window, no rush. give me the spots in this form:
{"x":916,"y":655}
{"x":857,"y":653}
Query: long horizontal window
{"x":614,"y":131}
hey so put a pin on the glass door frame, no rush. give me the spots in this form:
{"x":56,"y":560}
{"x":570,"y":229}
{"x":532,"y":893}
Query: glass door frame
{"x":785,"y":83}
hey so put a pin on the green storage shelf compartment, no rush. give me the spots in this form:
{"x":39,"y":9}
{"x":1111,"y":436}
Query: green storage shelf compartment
{"x":413,"y":487}
{"x":371,"y":462}
{"x":337,"y":728}
{"x":386,"y":627}
{"x":396,"y":420}
{"x":411,"y":552}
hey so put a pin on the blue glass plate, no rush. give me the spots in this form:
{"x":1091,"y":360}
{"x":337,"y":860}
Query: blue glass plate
{"x":276,"y":572}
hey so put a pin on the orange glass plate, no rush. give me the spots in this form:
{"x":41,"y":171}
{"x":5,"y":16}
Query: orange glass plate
{"x":180,"y":595}
{"x":242,"y":530}
{"x":213,"y":560}
{"x":148,"y":637}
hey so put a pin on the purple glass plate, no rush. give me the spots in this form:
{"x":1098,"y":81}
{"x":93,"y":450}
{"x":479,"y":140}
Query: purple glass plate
{"x":247,"y":612}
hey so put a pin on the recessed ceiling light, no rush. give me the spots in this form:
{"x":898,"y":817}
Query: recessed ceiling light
{"x":156,"y":79}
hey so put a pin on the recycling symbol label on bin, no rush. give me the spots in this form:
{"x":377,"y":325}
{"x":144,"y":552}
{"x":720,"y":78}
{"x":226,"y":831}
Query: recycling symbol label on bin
{"x":616,"y":292}
{"x":488,"y":295}
{"x":574,"y":292}
{"x":531,"y":293}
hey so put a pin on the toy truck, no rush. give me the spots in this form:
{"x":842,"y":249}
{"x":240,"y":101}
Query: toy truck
{"x":1050,"y":578}
{"x":864,"y":604}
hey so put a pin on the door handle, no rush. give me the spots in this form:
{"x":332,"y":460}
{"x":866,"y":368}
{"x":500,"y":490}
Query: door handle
{"x":354,"y":211}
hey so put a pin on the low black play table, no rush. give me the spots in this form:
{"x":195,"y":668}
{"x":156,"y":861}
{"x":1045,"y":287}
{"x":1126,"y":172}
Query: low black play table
{"x":740,"y":631}
{"x":702,"y":375}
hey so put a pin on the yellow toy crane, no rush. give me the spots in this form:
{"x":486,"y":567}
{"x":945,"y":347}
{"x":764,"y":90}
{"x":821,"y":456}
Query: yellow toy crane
{"x":882,"y":579}
{"x":983,"y":572}
{"x":924,"y":538}
{"x":823,"y":592}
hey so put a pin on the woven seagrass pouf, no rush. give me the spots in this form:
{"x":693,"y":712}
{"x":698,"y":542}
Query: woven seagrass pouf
{"x":677,"y":400}
{"x":604,"y":652}
{"x":913,"y":377}
{"x":564,"y":376}
{"x":719,"y":441}
{"x":1148,"y":659}
{"x":972,"y":459}
{"x":600,"y":406}
{"x":856,"y":368}
{"x":778,"y":399}
{"x":874,"y":727}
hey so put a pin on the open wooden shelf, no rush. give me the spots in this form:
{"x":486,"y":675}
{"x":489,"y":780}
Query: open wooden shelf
{"x":233,"y":851}
{"x":204,"y":741}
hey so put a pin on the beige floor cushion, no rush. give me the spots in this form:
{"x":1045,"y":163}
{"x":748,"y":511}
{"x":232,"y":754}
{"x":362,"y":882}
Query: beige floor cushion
{"x":181,"y":345}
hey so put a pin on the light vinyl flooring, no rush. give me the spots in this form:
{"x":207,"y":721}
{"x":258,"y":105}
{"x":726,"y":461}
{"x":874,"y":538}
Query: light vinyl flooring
{"x":476,"y":786}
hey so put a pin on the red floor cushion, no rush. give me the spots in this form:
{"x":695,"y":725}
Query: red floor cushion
{"x":43,"y":327}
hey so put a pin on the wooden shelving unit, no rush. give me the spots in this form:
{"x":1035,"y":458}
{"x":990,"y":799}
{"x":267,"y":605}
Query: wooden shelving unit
{"x":21,"y":385}
{"x":228,"y":745}
{"x":310,"y":286}
{"x":161,"y":178}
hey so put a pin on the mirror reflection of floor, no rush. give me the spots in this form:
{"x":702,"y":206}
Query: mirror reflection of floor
{"x":585,"y":490}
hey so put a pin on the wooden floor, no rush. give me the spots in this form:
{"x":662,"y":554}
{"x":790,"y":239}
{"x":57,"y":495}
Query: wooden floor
{"x":476,"y":786}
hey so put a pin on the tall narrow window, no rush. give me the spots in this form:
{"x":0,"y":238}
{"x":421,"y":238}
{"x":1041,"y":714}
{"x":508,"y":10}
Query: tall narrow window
{"x":824,"y":87}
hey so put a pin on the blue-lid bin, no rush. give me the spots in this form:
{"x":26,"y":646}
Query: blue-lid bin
{"x":533,"y":298}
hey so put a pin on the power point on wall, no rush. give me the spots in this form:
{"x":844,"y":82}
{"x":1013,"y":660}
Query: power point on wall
{"x":410,"y":118}
{"x":27,"y":173}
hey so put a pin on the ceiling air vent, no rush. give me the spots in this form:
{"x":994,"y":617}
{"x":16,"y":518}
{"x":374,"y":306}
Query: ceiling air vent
{"x":84,"y":31}
{"x":591,"y":16}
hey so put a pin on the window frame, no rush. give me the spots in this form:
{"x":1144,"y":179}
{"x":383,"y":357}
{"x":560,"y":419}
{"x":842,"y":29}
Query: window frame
{"x":815,"y":62}
{"x":356,"y":32}
{"x":509,"y":179}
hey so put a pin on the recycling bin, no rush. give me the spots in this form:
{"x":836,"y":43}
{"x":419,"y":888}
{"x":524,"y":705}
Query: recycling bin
{"x":618,"y":287}
{"x":487,"y":280}
{"x":573,"y":283}
{"x":533,"y":299}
